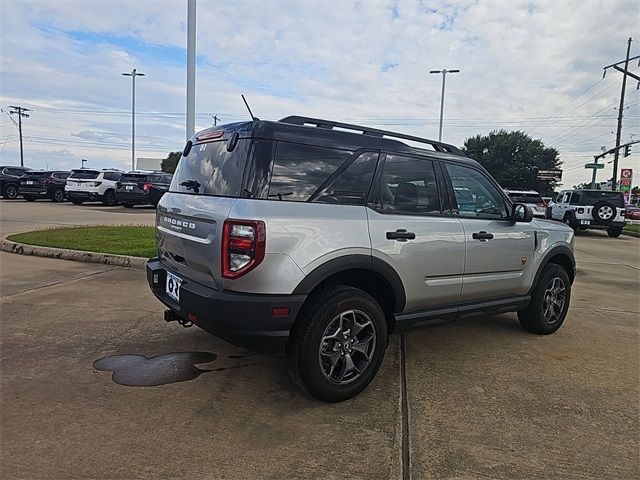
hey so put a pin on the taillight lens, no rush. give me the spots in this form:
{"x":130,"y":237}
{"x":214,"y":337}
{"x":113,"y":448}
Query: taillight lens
{"x":541,"y":204}
{"x":243,"y":246}
{"x":146,"y":187}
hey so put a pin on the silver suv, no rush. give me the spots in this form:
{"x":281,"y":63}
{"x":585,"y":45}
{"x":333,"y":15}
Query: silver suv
{"x":324,"y":238}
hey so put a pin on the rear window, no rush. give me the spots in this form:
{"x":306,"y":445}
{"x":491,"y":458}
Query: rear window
{"x":85,"y":174}
{"x":133,"y":178}
{"x":37,"y":174}
{"x":593,"y":197}
{"x":210,"y":169}
{"x":525,"y":198}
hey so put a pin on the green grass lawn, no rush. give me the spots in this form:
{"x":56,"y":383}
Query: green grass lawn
{"x":632,"y":228}
{"x":123,"y":240}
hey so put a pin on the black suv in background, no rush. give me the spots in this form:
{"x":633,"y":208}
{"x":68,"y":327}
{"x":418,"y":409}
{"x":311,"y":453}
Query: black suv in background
{"x":44,"y":184}
{"x":142,"y":188}
{"x":10,"y":181}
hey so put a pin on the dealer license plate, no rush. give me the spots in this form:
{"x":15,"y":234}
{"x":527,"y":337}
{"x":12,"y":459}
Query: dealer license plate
{"x":584,"y":222}
{"x":173,"y":286}
{"x":129,"y":187}
{"x":29,"y":182}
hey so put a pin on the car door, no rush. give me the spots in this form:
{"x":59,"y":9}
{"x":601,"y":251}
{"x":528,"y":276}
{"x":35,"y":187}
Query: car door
{"x":561,"y":205}
{"x":412,"y":228}
{"x":499,"y":252}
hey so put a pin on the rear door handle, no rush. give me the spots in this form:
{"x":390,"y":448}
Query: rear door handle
{"x":482,"y":236}
{"x":401,"y":235}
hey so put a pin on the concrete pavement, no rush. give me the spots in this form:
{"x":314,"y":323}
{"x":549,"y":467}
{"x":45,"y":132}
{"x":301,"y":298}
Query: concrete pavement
{"x":484,"y":398}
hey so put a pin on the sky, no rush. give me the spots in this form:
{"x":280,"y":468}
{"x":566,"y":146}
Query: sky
{"x":534,"y":66}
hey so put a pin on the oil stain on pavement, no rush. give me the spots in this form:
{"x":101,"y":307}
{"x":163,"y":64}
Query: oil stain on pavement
{"x":141,"y":371}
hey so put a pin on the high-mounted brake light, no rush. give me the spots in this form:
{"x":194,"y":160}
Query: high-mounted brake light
{"x":210,"y":135}
{"x":243,"y":246}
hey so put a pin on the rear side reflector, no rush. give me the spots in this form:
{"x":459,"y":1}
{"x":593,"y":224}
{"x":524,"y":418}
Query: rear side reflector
{"x":280,"y":311}
{"x":243,"y":246}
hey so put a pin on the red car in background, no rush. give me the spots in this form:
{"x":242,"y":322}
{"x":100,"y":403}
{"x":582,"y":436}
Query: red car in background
{"x":632,"y":213}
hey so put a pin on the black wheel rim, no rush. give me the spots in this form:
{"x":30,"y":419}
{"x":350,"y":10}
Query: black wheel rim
{"x":58,"y":195}
{"x":111,"y":199}
{"x":347,"y":347}
{"x":11,"y":191}
{"x":555,"y":296}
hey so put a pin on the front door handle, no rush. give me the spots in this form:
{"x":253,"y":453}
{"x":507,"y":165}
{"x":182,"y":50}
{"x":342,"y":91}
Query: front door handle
{"x":482,"y":235}
{"x":401,"y":235}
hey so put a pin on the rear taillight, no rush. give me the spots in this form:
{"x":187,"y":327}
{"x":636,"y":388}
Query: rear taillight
{"x":541,"y":204}
{"x":146,"y":187}
{"x":243,"y":246}
{"x":118,"y":185}
{"x":94,"y":184}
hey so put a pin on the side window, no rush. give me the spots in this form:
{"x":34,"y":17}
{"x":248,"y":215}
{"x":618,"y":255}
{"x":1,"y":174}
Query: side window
{"x":477,"y":197}
{"x":408,"y":186}
{"x":352,"y":184}
{"x":298,"y":170}
{"x":558,"y":198}
{"x":167,"y":178}
{"x":575,"y":198}
{"x":565,"y":199}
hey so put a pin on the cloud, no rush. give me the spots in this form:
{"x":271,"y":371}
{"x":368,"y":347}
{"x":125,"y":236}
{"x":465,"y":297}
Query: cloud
{"x":364,"y":62}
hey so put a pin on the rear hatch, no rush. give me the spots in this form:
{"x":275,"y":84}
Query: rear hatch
{"x":190,"y":217}
{"x":592,"y":197}
{"x":82,"y":178}
{"x":134,"y":183}
{"x":34,"y":179}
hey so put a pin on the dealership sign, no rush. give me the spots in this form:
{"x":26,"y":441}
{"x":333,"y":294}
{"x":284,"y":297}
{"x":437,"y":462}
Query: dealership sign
{"x":555,"y":175}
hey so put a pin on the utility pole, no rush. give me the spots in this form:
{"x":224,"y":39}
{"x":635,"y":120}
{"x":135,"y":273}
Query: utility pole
{"x":626,"y":72}
{"x":215,"y":119}
{"x":191,"y":68}
{"x":444,"y":76}
{"x":134,"y":73}
{"x":15,"y":110}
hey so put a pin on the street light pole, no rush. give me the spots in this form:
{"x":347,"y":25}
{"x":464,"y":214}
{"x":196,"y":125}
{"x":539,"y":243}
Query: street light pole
{"x":444,"y":72}
{"x":134,"y":73}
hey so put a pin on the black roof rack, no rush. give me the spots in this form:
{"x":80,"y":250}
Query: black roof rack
{"x":374,"y":132}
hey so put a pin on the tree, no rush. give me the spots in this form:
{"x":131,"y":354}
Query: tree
{"x":170,"y":163}
{"x":514,"y":158}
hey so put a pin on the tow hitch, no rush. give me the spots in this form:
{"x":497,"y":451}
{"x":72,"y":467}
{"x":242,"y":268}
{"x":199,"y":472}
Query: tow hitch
{"x":171,"y":316}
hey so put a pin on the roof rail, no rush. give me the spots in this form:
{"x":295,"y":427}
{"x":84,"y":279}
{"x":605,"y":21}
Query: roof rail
{"x":374,"y":132}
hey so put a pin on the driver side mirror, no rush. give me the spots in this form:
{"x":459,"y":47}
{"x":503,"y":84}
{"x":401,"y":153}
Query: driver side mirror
{"x":521,"y":213}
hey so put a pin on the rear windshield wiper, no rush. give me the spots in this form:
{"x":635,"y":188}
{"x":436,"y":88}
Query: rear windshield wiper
{"x":280,"y":195}
{"x":191,"y":185}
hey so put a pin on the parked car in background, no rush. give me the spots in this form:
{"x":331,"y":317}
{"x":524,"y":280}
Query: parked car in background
{"x":632,"y":213}
{"x":47,"y":184}
{"x":10,"y":181}
{"x":142,"y":188}
{"x":89,"y":185}
{"x":531,"y":199}
{"x":598,"y":209}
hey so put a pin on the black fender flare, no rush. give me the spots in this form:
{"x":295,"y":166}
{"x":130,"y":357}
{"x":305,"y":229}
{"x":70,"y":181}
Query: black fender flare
{"x":352,"y":262}
{"x":554,"y":251}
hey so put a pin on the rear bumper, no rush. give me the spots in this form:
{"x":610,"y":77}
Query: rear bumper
{"x":84,"y":196}
{"x":39,"y":191}
{"x":134,"y":198}
{"x":243,"y":319}
{"x":594,"y":224}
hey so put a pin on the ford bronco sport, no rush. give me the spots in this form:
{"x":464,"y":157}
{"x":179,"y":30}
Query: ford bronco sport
{"x":324,"y":238}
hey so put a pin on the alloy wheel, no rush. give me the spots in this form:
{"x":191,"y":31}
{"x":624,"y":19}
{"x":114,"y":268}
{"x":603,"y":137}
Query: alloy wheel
{"x":605,"y":212}
{"x":11,"y":192}
{"x":347,"y":346}
{"x":554,"y":299}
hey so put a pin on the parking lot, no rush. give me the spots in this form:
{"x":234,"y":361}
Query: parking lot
{"x":478,"y":398}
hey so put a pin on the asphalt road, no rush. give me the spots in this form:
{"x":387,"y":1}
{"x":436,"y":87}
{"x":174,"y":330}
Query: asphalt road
{"x":21,"y":216}
{"x":484,"y":399}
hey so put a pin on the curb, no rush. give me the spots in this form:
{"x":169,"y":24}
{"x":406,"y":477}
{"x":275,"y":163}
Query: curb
{"x":631,"y":234}
{"x":73,"y":255}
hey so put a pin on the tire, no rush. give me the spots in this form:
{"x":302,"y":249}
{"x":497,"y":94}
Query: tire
{"x":614,"y":231}
{"x":310,"y":351}
{"x":57,"y":195}
{"x":569,"y":220}
{"x":604,"y":212}
{"x":533,"y":318}
{"x":76,"y":202}
{"x":29,"y":199}
{"x":109,"y":198}
{"x":127,"y":205}
{"x":10,"y":192}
